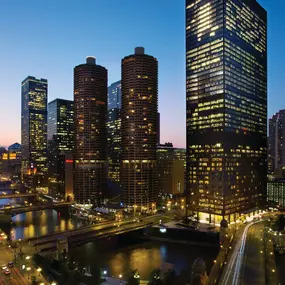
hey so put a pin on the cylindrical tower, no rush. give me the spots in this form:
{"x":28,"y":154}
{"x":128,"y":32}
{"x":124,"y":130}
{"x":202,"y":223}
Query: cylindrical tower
{"x":90,"y":114}
{"x":139,"y":130}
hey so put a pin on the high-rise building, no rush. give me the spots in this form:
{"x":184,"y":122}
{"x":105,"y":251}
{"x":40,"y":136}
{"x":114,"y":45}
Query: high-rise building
{"x":226,"y":82}
{"x":171,"y":172}
{"x":90,"y":116}
{"x":60,"y":143}
{"x":276,"y":143}
{"x":139,"y":130}
{"x":114,"y":144}
{"x":115,"y":95}
{"x":34,"y":133}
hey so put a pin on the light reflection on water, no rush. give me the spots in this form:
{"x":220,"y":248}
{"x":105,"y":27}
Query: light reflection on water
{"x":144,"y":257}
{"x":39,"y":223}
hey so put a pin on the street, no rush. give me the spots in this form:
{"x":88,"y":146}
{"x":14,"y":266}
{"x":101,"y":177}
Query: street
{"x":15,"y":278}
{"x":246,"y":262}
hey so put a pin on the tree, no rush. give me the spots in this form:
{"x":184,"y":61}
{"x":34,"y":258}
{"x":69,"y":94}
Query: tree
{"x":155,"y":277}
{"x":134,"y":278}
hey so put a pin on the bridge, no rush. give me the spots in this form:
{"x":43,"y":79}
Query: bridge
{"x":22,"y":195}
{"x":89,"y":233}
{"x":18,"y":210}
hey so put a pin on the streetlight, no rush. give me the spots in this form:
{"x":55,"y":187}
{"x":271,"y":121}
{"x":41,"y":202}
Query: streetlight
{"x":28,"y":257}
{"x":28,"y":269}
{"x":120,"y":276}
{"x":53,"y":283}
{"x":39,"y":270}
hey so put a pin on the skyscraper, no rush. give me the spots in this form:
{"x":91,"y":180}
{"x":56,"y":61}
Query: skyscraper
{"x":115,"y":95}
{"x":276,"y":143}
{"x":90,"y":116}
{"x":34,"y":132}
{"x":114,"y":144}
{"x":60,"y":143}
{"x":226,"y":82}
{"x":139,"y":130}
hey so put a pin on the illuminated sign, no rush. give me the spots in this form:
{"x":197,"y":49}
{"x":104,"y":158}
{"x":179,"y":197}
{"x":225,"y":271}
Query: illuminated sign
{"x":69,"y":160}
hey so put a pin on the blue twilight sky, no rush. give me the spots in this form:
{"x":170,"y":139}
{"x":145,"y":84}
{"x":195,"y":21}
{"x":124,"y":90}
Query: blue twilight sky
{"x":47,"y":38}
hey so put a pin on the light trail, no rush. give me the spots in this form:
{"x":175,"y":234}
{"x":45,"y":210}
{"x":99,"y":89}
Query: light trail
{"x":236,"y":259}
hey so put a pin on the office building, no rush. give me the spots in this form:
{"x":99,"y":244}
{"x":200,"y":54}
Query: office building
{"x":276,"y":143}
{"x":139,"y":130}
{"x":171,"y":170}
{"x":34,"y":133}
{"x":276,"y":193}
{"x":226,"y":98}
{"x":61,"y":142}
{"x":114,"y":138}
{"x":90,"y":117}
{"x":115,"y":96}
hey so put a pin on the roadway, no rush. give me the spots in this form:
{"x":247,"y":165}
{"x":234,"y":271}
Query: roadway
{"x":16,"y":277}
{"x":21,"y":209}
{"x":245,"y":264}
{"x":12,"y":196}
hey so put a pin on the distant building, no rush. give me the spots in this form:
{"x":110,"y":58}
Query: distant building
{"x":276,"y":143}
{"x":171,"y":170}
{"x":139,"y":130}
{"x":276,"y":193}
{"x":34,"y":133}
{"x":14,"y":163}
{"x":226,"y":108}
{"x":3,"y":161}
{"x":61,"y":142}
{"x":115,"y":96}
{"x":90,"y":116}
{"x":114,"y":138}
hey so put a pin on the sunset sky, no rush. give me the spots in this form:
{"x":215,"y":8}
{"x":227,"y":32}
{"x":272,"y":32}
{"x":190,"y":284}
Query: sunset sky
{"x":46,"y":39}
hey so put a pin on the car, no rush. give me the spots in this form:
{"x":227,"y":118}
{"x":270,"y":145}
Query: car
{"x":10,"y":264}
{"x":7,"y":271}
{"x":4,"y":267}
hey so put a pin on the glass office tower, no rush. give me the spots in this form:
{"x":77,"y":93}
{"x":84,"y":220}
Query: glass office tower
{"x":114,"y":138}
{"x":139,"y":130}
{"x":90,"y":117}
{"x":61,"y":141}
{"x":115,"y":95}
{"x":34,"y":132}
{"x":226,"y":98}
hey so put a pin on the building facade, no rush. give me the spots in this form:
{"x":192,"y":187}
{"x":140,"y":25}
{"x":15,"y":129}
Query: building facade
{"x":276,"y":193}
{"x":115,"y":95}
{"x":276,"y":143}
{"x":90,"y":116}
{"x":139,"y":130}
{"x":34,"y":133}
{"x":171,"y":171}
{"x":226,"y":97}
{"x":114,"y":138}
{"x":61,"y":142}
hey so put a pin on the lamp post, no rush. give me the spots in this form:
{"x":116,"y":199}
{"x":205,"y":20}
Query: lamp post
{"x":28,"y":269}
{"x":39,"y":271}
{"x":120,"y":276}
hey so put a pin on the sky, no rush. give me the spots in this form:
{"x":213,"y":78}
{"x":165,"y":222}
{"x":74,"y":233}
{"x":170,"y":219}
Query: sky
{"x":47,"y":38}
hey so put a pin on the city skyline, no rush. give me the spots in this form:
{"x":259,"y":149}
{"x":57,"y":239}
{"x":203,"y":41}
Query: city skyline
{"x":58,"y":39}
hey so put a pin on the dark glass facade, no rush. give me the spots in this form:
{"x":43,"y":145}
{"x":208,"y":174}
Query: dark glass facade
{"x":90,"y":117}
{"x":61,"y":141}
{"x":139,"y":130}
{"x":114,"y":144}
{"x":226,"y":78}
{"x":115,"y":95}
{"x":34,"y":132}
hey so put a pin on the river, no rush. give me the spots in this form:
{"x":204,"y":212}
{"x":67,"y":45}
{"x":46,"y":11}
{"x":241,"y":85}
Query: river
{"x":116,"y":260}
